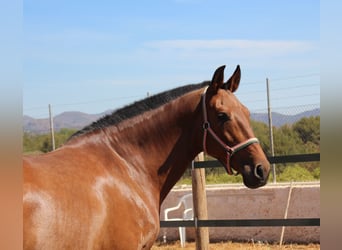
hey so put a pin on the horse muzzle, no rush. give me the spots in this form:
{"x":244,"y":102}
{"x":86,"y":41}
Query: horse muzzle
{"x":255,"y":176}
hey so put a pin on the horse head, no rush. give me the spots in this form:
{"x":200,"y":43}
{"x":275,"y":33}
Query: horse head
{"x":228,"y":135}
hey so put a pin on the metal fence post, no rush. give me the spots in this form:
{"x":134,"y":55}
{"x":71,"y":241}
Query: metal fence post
{"x":52,"y":129}
{"x":270,"y":125}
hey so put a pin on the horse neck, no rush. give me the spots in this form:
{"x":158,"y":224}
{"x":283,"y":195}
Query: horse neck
{"x":160,"y":144}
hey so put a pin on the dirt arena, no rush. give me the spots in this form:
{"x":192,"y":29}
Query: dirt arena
{"x":232,"y":245}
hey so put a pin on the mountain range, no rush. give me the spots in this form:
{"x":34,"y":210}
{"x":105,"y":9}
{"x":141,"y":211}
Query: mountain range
{"x":281,"y":119}
{"x":77,"y":120}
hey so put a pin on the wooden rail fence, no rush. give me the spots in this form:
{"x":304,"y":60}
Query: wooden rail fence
{"x":251,"y":222}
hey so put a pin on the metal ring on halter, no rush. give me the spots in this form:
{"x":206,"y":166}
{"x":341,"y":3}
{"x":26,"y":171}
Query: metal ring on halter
{"x":206,"y":125}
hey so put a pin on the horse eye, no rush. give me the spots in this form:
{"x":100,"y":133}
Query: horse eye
{"x":223,"y":117}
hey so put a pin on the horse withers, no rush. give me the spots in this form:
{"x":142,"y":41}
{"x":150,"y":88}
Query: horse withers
{"x":103,"y":189}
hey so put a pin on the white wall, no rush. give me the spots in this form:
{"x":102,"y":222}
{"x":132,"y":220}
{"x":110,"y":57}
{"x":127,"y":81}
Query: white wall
{"x":269,"y":202}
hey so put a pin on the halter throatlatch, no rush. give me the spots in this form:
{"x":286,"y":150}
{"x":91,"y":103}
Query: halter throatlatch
{"x":229,"y":150}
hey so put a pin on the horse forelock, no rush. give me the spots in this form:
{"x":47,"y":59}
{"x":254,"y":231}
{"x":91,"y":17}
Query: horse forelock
{"x":138,"y":108}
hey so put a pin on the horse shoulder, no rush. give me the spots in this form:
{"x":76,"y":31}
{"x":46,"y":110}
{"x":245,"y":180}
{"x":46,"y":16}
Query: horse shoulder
{"x":132,"y":211}
{"x":97,"y":205}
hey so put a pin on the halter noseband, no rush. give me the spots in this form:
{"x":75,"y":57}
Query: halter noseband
{"x":230,"y":150}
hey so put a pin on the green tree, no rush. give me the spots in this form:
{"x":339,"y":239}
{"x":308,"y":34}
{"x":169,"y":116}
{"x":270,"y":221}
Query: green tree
{"x":28,"y":142}
{"x":295,"y":173}
{"x":262,"y":133}
{"x":42,"y":142}
{"x":46,"y":146}
{"x":287,"y":141}
{"x":63,"y":135}
{"x":308,"y":129}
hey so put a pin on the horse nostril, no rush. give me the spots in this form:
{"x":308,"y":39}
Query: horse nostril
{"x":259,"y":172}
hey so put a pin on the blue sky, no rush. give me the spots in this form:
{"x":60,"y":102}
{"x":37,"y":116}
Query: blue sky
{"x":93,"y":56}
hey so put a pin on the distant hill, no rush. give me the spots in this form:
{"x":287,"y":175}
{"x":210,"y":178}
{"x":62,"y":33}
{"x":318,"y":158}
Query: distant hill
{"x":77,"y":120}
{"x":280,"y":119}
{"x":71,"y":120}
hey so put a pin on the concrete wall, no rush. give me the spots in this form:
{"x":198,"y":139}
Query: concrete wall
{"x":269,"y":202}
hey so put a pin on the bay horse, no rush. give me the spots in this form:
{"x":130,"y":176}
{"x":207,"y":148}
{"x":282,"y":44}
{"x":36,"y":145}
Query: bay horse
{"x":104,"y":187}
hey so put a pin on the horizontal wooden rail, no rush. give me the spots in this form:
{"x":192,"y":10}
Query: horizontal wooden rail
{"x":271,"y":159}
{"x":294,"y":158}
{"x":253,"y":222}
{"x":243,"y":223}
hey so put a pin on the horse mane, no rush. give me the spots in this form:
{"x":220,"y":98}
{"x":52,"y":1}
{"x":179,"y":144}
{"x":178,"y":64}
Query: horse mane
{"x":138,"y":107}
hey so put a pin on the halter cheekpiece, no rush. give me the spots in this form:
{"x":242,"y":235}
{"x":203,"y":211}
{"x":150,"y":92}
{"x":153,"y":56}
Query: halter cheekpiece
{"x":229,"y":150}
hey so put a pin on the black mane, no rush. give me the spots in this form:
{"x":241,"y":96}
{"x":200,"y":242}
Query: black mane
{"x":139,"y":107}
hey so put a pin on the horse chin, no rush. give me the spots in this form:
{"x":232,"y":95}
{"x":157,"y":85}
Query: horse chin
{"x":252,"y":182}
{"x":249,"y":178}
{"x":253,"y":185}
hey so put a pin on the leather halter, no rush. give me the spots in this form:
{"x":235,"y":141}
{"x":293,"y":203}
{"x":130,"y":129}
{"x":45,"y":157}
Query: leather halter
{"x":229,"y":150}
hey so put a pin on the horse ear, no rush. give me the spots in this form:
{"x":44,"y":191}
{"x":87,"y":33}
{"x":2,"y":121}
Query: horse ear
{"x":233,"y":82}
{"x":217,"y":81}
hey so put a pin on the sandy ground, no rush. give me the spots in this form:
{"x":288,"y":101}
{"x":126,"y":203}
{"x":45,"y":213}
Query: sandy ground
{"x":234,"y":245}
